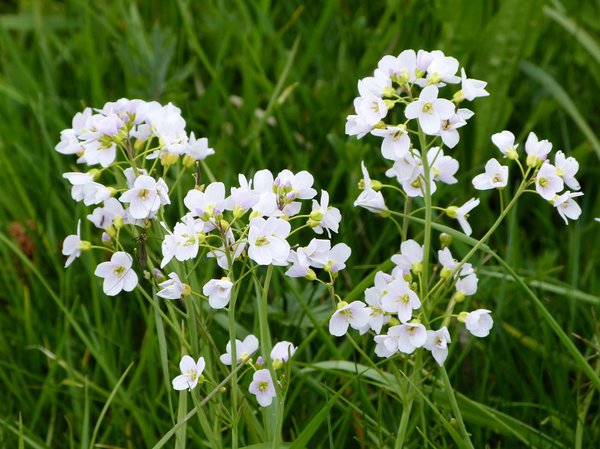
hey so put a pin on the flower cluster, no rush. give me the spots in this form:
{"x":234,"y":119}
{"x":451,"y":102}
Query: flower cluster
{"x":549,"y":179}
{"x":136,"y":145}
{"x":131,"y":133}
{"x":395,"y":302}
{"x":253,"y":222}
{"x":413,"y":79}
{"x":418,"y":141}
{"x":262,"y":385}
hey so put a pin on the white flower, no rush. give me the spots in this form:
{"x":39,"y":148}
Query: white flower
{"x":370,"y":199}
{"x":472,"y":88}
{"x":410,"y":257}
{"x":566,"y":168}
{"x":479,"y":322}
{"x":505,"y":141}
{"x":370,"y":107}
{"x":316,"y":254}
{"x":296,"y":186}
{"x":566,"y":207}
{"x":408,"y":337}
{"x":437,"y":343}
{"x":357,"y":126}
{"x":218,"y":292}
{"x":449,"y":264}
{"x":324,"y":216}
{"x":243,"y":350}
{"x":146,"y":197}
{"x":537,"y":150}
{"x":117,"y":274}
{"x":466,"y":286}
{"x":172,"y":288}
{"x":207,"y":204}
{"x":355,"y":314}
{"x":103,"y":217}
{"x":300,"y":268}
{"x":547,"y":182}
{"x":267,"y":242}
{"x":386,"y":345}
{"x":449,"y":130}
{"x":400,"y":299}
{"x":440,"y":68}
{"x":262,"y":387}
{"x":495,"y":176}
{"x":197,"y":149}
{"x":443,"y":167}
{"x":396,"y":141}
{"x":336,"y":258}
{"x":282,"y":351}
{"x":190,"y":373}
{"x":73,"y":245}
{"x":86,"y":189}
{"x":242,"y":198}
{"x":462,"y":213}
{"x":373,"y":297}
{"x":430,"y":110}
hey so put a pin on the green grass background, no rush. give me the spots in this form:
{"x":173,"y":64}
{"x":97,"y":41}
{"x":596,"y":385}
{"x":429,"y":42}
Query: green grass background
{"x":64,"y":345}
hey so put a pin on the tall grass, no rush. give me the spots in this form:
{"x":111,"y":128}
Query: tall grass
{"x":270,"y":84}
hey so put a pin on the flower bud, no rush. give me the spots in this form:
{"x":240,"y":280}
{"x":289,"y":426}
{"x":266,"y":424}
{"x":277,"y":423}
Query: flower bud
{"x":389,"y":104}
{"x":445,"y":240}
{"x":394,"y":321}
{"x":106,"y":236}
{"x":310,"y":275}
{"x":389,"y":91}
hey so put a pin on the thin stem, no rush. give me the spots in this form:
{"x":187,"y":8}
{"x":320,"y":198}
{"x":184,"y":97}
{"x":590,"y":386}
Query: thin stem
{"x":452,"y":398}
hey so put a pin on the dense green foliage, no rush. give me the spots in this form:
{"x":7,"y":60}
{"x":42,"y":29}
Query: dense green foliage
{"x":270,"y":85}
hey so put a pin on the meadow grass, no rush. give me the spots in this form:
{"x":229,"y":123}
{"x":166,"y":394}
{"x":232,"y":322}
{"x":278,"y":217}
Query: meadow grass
{"x":270,"y":85}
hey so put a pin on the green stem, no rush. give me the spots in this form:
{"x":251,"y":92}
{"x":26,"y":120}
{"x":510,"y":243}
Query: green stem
{"x":276,"y":411}
{"x":452,"y":398}
{"x":232,"y":301}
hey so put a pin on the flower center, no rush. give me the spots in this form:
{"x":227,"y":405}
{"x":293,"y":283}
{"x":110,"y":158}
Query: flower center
{"x":262,"y":241}
{"x":543,"y":182}
{"x":119,"y":271}
{"x":427,"y":108}
{"x":263,"y":386}
{"x":143,"y":193}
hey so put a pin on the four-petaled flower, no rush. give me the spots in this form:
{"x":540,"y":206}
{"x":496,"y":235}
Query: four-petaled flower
{"x":191,"y":373}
